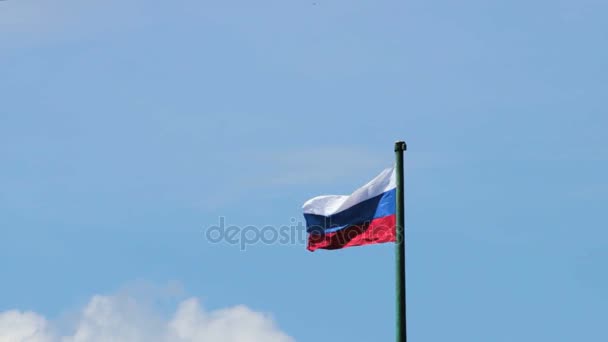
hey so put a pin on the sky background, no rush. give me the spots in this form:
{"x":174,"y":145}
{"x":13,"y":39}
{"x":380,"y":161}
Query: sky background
{"x":127,"y":128}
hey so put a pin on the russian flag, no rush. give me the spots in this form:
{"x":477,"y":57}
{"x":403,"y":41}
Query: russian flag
{"x":365,"y":217}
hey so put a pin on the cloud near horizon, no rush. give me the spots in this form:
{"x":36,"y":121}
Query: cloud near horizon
{"x":124,"y":319}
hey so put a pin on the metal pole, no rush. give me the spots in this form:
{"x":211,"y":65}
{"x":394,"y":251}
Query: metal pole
{"x":400,"y":147}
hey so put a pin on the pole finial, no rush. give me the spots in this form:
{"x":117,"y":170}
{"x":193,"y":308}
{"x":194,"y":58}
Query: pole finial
{"x":400,"y":146}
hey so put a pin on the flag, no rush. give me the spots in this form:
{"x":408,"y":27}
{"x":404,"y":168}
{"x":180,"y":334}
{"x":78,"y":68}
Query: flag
{"x":365,"y":217}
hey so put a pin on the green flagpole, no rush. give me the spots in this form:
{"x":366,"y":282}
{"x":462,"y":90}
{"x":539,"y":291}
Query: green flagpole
{"x":400,"y":147}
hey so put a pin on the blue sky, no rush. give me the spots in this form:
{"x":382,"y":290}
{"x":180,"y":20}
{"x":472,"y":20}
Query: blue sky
{"x":128,"y":128}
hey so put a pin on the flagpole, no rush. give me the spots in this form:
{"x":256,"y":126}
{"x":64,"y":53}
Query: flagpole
{"x":400,"y":147}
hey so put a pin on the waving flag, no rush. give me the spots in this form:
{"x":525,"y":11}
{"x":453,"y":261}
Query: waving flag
{"x":367,"y":216}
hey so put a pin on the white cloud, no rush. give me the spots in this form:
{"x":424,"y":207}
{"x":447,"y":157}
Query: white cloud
{"x":233,"y":324}
{"x":125,"y":319}
{"x":18,"y":326}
